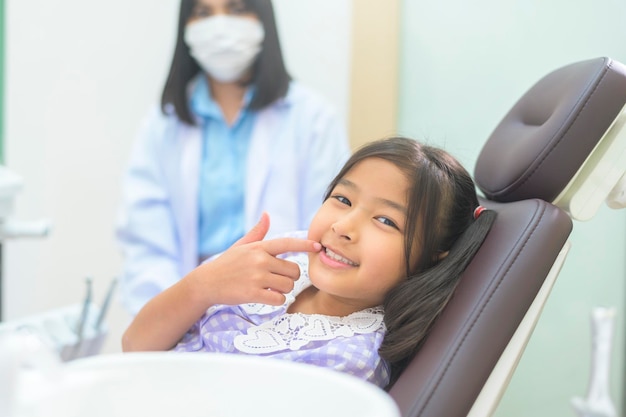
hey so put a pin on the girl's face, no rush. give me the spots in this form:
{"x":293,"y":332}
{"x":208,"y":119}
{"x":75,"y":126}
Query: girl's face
{"x":361,"y":228}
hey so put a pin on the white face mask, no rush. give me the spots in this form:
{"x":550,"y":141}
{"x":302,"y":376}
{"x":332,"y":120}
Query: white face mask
{"x":225,"y":46}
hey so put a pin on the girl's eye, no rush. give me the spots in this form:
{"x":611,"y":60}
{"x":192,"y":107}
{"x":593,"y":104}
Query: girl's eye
{"x":342,"y":200}
{"x":387,"y":222}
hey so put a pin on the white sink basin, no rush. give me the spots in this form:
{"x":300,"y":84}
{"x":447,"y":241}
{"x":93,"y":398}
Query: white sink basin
{"x":204,"y":385}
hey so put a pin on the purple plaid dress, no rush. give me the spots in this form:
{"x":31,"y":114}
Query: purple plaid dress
{"x":347,"y":344}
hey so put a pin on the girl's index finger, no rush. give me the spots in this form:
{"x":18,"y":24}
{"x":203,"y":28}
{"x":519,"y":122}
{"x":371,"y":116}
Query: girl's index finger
{"x":290,"y":244}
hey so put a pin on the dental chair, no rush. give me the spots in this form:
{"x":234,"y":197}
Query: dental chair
{"x":557,"y":156}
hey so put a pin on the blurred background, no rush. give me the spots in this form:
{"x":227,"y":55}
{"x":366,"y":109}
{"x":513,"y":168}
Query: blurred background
{"x":78,"y":77}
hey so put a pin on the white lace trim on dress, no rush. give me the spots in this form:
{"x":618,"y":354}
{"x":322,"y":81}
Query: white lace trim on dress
{"x":292,"y":331}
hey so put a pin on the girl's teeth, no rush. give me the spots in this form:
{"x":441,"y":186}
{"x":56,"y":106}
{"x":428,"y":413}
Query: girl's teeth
{"x":336,"y":257}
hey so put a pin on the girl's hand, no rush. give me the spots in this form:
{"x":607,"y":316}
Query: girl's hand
{"x":249,"y":271}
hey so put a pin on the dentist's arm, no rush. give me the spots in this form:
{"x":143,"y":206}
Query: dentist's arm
{"x":242,"y":274}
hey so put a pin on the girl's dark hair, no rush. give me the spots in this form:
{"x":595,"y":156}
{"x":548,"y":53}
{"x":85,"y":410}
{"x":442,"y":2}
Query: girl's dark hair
{"x":269,"y":73}
{"x":440,"y":229}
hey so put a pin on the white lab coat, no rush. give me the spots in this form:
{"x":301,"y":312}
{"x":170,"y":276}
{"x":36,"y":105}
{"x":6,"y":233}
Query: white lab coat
{"x":296,"y":148}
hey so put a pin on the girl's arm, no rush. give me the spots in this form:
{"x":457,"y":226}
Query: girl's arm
{"x":248,"y":272}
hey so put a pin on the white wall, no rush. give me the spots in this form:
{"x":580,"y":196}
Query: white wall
{"x":315,"y":37}
{"x":79,"y":77}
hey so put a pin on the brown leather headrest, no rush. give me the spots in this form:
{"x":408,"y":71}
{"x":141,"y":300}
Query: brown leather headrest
{"x":543,"y":140}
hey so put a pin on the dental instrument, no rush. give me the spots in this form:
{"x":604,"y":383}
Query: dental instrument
{"x":105,"y":305}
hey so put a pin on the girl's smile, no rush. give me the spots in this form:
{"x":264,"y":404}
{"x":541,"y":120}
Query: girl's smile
{"x":334,"y":259}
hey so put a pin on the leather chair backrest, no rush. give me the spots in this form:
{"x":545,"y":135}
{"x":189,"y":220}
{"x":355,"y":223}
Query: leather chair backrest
{"x":527,"y":161}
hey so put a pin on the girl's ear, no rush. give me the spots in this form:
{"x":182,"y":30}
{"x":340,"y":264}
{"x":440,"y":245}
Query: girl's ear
{"x":442,"y":255}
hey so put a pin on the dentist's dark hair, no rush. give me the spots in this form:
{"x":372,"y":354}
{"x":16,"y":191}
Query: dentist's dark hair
{"x":440,"y":239}
{"x":270,"y":76}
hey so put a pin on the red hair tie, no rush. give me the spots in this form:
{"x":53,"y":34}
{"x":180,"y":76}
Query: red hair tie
{"x":477,"y":211}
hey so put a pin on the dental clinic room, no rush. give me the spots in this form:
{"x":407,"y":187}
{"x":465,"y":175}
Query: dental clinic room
{"x":528,"y":96}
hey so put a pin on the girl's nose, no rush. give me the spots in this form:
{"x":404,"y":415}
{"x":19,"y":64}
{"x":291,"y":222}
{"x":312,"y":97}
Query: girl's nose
{"x":345,"y":227}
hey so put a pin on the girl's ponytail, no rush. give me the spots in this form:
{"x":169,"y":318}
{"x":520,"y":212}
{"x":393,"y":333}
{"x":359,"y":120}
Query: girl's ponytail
{"x":412,"y":307}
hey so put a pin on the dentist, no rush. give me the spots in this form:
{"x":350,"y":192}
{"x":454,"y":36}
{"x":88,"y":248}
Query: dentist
{"x":234,"y":136}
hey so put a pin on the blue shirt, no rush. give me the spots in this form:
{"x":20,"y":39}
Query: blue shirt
{"x":222,"y":172}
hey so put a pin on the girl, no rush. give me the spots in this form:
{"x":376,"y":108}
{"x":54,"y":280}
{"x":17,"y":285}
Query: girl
{"x":232,"y":132}
{"x":384,"y":253}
